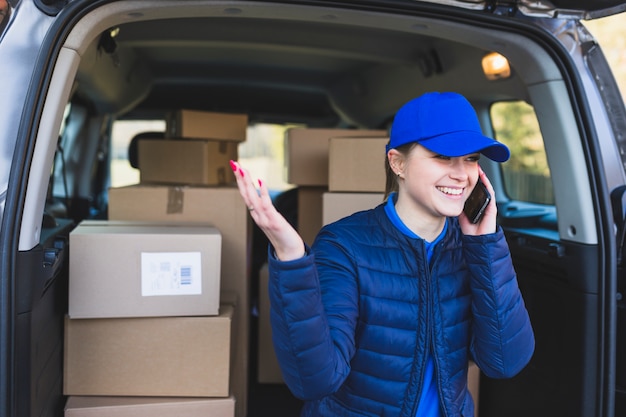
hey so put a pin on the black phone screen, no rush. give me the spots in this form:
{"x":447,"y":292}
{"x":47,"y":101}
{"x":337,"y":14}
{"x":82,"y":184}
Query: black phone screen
{"x":477,"y":202}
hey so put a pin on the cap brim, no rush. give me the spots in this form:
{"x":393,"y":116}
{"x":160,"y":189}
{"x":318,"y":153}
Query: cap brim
{"x":466,"y":143}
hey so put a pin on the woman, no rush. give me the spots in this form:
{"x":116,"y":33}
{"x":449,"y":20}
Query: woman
{"x":382,"y":314}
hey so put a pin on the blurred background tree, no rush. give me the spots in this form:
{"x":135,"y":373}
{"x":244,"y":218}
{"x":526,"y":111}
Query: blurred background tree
{"x":515,"y":124}
{"x":611,"y":35}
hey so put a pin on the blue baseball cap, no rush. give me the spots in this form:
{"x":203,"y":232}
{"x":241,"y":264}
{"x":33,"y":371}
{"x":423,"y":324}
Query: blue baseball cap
{"x":444,"y":123}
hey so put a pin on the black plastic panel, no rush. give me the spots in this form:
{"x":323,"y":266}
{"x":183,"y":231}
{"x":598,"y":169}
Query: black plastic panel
{"x":560,"y":291}
{"x":41,"y":303}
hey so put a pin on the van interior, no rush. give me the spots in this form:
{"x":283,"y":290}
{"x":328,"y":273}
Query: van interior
{"x":310,"y":66}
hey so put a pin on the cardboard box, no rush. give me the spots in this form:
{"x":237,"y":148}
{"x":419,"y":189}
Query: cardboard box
{"x":307,"y":153}
{"x":473,"y":384}
{"x":79,"y":406}
{"x":310,"y":203}
{"x":223,"y":208}
{"x":141,"y":271}
{"x":185,"y":161}
{"x":149,"y":356}
{"x":268,"y":370}
{"x":357,"y":164}
{"x":194,"y":124}
{"x":339,"y":205}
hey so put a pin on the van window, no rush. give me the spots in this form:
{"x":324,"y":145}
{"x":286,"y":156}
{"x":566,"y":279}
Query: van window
{"x":526,"y":174}
{"x":263,"y":154}
{"x":123,"y":131}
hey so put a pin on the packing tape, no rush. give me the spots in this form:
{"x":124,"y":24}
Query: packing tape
{"x":175,"y":199}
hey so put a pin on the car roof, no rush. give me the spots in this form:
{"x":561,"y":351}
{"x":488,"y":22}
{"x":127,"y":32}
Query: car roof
{"x":332,"y":64}
{"x":578,"y":9}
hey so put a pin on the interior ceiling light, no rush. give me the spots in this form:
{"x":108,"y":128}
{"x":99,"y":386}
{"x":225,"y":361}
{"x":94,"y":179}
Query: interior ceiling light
{"x":496,"y":66}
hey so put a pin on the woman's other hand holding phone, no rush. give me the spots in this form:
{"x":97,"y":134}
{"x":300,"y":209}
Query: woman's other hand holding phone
{"x":487,"y":223}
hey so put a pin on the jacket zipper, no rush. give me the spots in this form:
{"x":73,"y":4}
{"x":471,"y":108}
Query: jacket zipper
{"x":430,"y":340}
{"x":431,"y":336}
{"x":428,"y":336}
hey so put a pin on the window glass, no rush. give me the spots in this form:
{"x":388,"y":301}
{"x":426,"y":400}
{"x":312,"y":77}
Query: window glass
{"x":526,"y":174}
{"x":122,"y":173}
{"x":59,"y":183}
{"x":263,"y":154}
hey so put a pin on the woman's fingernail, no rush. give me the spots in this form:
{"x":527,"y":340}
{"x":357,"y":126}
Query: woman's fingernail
{"x":260,"y":183}
{"x":233,"y":165}
{"x":241,"y":173}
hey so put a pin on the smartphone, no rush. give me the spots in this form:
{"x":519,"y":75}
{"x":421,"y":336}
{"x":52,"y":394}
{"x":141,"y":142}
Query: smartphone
{"x":477,"y":202}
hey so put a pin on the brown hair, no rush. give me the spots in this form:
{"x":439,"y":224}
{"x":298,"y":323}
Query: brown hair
{"x":391,"y":182}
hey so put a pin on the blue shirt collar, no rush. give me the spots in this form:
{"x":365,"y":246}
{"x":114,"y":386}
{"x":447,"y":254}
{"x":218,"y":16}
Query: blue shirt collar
{"x":392,"y":214}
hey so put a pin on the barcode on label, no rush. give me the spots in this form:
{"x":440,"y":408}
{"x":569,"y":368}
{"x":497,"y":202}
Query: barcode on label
{"x":171,"y":273}
{"x":185,"y":275}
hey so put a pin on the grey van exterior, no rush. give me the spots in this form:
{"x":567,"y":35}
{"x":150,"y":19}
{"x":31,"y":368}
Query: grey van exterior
{"x":321,"y":64}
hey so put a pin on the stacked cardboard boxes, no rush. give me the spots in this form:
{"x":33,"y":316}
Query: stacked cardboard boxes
{"x":179,"y":343}
{"x":307,"y":166}
{"x":144,"y":318}
{"x":223,"y":208}
{"x":356,"y":176}
{"x":187,"y":178}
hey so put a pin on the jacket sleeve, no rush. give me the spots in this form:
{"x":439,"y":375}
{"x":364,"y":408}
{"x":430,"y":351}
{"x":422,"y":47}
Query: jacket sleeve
{"x":503,"y":341}
{"x":313,"y":321}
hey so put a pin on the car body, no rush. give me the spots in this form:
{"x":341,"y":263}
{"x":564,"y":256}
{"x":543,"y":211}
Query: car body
{"x":71,"y":69}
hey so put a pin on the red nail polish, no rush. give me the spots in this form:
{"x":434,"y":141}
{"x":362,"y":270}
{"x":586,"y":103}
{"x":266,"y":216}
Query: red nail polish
{"x":241,"y":173}
{"x":233,"y":165}
{"x":260,"y":183}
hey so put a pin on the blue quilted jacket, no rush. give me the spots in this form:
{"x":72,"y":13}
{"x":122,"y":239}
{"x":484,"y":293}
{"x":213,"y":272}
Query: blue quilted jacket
{"x":354,"y":319}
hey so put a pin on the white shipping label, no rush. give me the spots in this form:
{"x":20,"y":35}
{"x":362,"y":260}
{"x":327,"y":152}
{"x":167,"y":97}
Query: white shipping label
{"x":171,"y":273}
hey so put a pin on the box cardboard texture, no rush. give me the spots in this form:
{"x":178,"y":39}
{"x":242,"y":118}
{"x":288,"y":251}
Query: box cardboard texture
{"x":185,"y":161}
{"x":473,"y":384}
{"x":218,"y":206}
{"x":194,"y":124}
{"x":307,"y":153}
{"x":82,"y":406}
{"x":107,"y":278}
{"x":149,"y":356}
{"x":268,"y":369}
{"x":310,"y":203}
{"x":357,"y":164}
{"x":338,"y":205}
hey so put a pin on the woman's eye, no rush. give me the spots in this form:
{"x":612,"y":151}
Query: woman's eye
{"x":473,"y":158}
{"x":445,"y":158}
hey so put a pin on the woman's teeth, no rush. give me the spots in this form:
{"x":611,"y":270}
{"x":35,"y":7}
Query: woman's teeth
{"x":451,"y":191}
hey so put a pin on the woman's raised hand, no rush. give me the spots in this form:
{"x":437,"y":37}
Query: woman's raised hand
{"x":287,"y":243}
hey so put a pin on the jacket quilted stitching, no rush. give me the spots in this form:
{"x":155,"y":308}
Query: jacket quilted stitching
{"x":354,"y":319}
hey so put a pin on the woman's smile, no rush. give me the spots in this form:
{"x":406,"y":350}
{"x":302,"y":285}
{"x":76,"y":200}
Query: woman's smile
{"x":452,"y":191}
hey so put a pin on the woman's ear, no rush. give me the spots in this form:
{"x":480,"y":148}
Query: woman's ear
{"x":396,"y":161}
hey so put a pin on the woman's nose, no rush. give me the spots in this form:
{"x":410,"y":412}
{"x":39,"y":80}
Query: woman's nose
{"x":459,"y":169}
